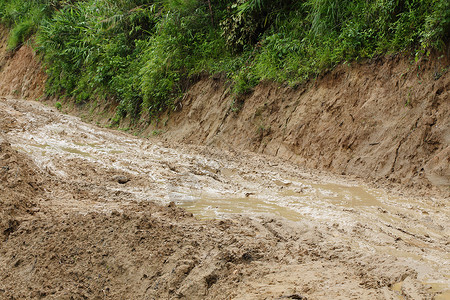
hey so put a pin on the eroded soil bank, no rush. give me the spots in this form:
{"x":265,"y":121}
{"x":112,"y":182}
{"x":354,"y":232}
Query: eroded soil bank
{"x":21,"y":73}
{"x":386,"y":120}
{"x":86,"y":213}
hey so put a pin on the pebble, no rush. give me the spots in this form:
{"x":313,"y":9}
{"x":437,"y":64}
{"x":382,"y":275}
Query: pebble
{"x":121,"y":179}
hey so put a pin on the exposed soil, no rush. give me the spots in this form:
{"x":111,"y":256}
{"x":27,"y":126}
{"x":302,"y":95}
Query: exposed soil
{"x":21,"y":74}
{"x":77,"y":230}
{"x":20,"y":186}
{"x":386,"y":120}
{"x":92,"y":213}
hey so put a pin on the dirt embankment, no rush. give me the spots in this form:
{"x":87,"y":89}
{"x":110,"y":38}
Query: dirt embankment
{"x":21,"y":74}
{"x":387,"y":120}
{"x":19,"y":188}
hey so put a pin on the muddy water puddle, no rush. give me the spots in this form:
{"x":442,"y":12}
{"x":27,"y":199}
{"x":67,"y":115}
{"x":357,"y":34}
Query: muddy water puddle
{"x":75,"y":151}
{"x":441,"y":288}
{"x":348,"y":196}
{"x":210,"y":207}
{"x":348,"y":206}
{"x":299,"y":200}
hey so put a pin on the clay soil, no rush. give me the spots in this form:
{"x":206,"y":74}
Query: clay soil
{"x":91,"y":213}
{"x":347,"y":197}
{"x":21,"y":74}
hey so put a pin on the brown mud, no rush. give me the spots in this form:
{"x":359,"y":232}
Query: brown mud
{"x":21,"y":73}
{"x":76,"y":232}
{"x":386,"y":120}
{"x":92,"y":213}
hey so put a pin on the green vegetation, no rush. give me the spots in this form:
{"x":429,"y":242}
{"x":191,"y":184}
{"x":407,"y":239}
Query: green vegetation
{"x":143,"y":54}
{"x":24,"y":18}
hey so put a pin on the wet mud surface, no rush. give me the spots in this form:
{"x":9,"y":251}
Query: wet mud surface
{"x":89,"y":212}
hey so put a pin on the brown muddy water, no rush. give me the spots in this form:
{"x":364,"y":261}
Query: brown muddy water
{"x":217,"y":184}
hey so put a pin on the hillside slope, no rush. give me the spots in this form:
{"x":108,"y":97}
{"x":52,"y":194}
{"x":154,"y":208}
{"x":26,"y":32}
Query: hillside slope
{"x":21,"y":74}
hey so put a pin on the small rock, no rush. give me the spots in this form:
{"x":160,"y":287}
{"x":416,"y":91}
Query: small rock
{"x":121,"y":179}
{"x":295,"y":296}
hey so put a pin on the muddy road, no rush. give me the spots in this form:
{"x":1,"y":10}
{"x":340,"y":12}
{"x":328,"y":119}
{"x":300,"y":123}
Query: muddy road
{"x":113,"y":216}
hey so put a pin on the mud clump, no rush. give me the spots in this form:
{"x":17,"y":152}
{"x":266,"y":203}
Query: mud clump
{"x":148,"y":251}
{"x":20,"y":185}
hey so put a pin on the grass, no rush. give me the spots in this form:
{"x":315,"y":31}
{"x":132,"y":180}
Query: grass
{"x":144,"y":54}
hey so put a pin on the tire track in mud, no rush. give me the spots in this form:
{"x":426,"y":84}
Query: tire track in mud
{"x":111,"y":240}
